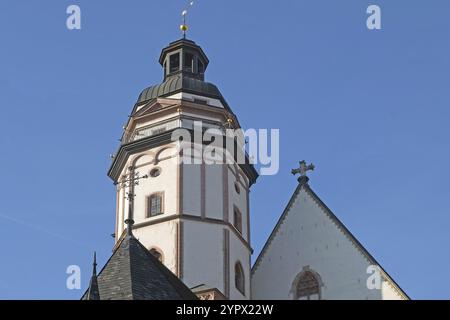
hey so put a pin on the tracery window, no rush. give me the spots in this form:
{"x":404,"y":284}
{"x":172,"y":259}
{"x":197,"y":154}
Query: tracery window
{"x":307,"y":286}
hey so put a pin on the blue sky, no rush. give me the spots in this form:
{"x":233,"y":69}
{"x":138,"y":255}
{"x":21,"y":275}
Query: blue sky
{"x":369,"y":108}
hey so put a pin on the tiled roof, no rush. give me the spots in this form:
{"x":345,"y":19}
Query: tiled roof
{"x":177,"y":83}
{"x":133,"y":273}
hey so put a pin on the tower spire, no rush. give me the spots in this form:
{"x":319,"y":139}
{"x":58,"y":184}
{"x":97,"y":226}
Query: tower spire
{"x":94,"y":265}
{"x":93,"y":291}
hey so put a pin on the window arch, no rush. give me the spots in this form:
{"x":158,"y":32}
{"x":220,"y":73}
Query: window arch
{"x":239,"y":278}
{"x":157,"y":254}
{"x":307,"y":286}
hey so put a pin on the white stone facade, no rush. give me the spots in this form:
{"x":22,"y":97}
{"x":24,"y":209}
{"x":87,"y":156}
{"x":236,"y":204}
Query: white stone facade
{"x":309,"y":237}
{"x":196,"y":234}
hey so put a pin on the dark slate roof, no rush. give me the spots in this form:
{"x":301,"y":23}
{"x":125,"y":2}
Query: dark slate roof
{"x":93,"y":292}
{"x":133,"y":273}
{"x":178,"y":83}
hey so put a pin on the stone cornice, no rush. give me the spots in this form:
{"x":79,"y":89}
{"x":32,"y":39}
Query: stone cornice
{"x":128,"y":149}
{"x":189,"y":217}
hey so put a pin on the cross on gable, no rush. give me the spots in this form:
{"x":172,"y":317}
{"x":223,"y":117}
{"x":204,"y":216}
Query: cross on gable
{"x":303,"y":169}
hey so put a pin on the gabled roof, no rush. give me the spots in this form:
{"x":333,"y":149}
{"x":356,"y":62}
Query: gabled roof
{"x":133,"y":273}
{"x":303,"y":185}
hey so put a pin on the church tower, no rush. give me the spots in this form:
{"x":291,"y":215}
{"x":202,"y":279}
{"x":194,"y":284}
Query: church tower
{"x":192,"y":215}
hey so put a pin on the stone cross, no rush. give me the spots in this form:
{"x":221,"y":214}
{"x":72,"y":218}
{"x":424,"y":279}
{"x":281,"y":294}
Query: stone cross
{"x":304,"y":168}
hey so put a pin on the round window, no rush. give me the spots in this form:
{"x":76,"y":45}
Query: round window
{"x":156,"y":172}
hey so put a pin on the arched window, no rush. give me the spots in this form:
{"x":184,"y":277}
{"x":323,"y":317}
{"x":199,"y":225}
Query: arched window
{"x":239,"y":278}
{"x":157,"y":254}
{"x":307,"y":286}
{"x":237,"y":220}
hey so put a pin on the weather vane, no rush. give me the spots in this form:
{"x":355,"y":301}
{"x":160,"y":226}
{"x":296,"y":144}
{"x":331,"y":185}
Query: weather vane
{"x":130,"y":181}
{"x":184,"y":27}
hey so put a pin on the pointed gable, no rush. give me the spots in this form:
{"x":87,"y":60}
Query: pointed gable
{"x":309,"y":237}
{"x":132,"y":273}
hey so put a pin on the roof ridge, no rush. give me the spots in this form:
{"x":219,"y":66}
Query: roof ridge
{"x":116,"y":248}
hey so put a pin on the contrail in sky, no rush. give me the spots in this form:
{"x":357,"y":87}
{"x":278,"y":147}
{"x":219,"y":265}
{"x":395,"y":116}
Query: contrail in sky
{"x":42,"y":230}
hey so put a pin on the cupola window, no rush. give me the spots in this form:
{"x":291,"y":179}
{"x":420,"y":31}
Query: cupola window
{"x":174,"y":62}
{"x":201,"y":67}
{"x":188,"y":62}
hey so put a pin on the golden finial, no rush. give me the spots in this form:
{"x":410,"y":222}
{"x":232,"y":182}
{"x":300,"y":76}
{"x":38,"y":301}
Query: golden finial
{"x":184,"y":27}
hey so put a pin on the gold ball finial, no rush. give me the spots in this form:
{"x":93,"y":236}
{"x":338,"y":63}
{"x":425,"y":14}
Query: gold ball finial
{"x":184,"y":27}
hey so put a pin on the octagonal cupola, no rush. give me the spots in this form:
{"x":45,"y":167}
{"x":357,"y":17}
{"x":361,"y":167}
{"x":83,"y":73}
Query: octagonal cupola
{"x":184,"y":57}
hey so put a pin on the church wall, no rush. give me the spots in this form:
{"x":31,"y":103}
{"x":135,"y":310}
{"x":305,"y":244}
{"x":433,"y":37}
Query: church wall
{"x":149,"y":122}
{"x":203,"y":258}
{"x":163,"y":237}
{"x":388,"y":292}
{"x":205,"y":117}
{"x":204,"y":243}
{"x":165,"y":159}
{"x":192,"y":191}
{"x":238,"y":200}
{"x":214,"y":192}
{"x":240,"y":253}
{"x":120,"y":211}
{"x":309,"y":238}
{"x":166,"y":183}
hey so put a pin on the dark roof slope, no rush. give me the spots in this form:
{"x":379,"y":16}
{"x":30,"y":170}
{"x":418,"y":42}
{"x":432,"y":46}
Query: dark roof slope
{"x":133,"y":273}
{"x":93,"y":292}
{"x":180,"y":83}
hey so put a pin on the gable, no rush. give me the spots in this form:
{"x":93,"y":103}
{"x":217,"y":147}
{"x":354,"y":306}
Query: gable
{"x":309,"y":235}
{"x":153,"y":106}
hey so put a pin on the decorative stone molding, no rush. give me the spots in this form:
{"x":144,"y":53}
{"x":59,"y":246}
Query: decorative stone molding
{"x":210,"y":294}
